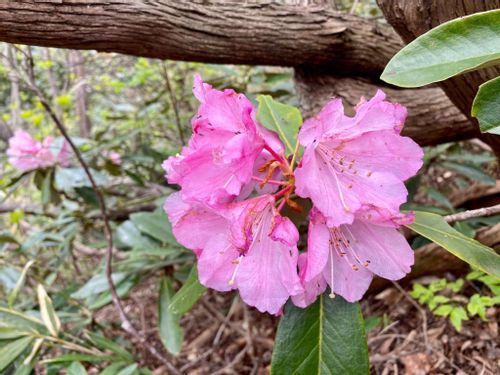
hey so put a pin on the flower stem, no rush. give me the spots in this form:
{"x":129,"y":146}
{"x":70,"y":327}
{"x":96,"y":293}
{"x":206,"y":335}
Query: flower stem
{"x":272,"y":182}
{"x":295,"y":153}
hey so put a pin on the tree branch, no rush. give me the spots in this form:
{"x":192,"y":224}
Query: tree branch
{"x":480,"y":212}
{"x":213,"y":31}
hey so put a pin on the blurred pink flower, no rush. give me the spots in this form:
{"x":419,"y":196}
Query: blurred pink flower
{"x":347,"y":257}
{"x":113,"y":156}
{"x":27,"y":154}
{"x":351,"y":164}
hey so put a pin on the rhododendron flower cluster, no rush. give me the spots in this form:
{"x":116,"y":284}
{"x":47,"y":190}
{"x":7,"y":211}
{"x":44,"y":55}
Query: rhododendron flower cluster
{"x":236,"y":180}
{"x":25,"y":153}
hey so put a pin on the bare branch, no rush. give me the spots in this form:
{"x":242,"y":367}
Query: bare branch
{"x":480,"y":212}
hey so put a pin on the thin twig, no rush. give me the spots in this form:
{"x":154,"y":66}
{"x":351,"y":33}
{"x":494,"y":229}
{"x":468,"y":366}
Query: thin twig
{"x":480,"y":212}
{"x":173,"y":101}
{"x":126,"y":324}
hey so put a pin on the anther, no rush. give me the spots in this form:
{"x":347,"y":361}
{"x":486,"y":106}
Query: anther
{"x":354,"y":267}
{"x":331,"y":295}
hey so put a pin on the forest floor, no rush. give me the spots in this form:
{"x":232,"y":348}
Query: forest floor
{"x":224,"y":336}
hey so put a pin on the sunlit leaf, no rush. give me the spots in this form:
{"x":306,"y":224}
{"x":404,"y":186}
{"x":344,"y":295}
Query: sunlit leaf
{"x":436,"y":229}
{"x":47,"y":311}
{"x":486,"y":106}
{"x":281,"y":118}
{"x":454,"y":47}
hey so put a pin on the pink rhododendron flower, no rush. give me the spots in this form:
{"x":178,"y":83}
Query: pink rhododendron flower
{"x":358,"y":163}
{"x":235,"y":180}
{"x":347,"y":257}
{"x":246,"y":246}
{"x":221,"y":153}
{"x":26,"y":154}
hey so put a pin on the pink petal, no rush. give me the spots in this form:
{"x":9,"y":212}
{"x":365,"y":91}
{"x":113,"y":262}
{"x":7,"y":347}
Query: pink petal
{"x":312,"y":288}
{"x":348,"y":282}
{"x":318,"y":244}
{"x":285,"y":231}
{"x":387,"y":251}
{"x":217,"y":263}
{"x":193,"y":224}
{"x":384,"y":151}
{"x":324,"y":122}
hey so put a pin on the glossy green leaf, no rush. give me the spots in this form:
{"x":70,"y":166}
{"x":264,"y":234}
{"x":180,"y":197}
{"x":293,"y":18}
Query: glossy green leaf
{"x":12,"y":350}
{"x":47,"y":311}
{"x":436,"y":229}
{"x":171,"y":334}
{"x":451,"y":48}
{"x":326,"y":338}
{"x":76,"y":368}
{"x":280,"y":118}
{"x":188,"y":295}
{"x":486,"y":106}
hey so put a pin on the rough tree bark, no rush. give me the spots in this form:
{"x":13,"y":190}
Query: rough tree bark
{"x":224,"y":32}
{"x":413,"y":18}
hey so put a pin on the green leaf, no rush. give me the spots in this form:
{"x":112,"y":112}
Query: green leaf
{"x":326,"y":338}
{"x":76,"y":368}
{"x":129,"y":235}
{"x":187,"y":296}
{"x":78,"y":357}
{"x":19,"y":320}
{"x":12,"y":350}
{"x":98,"y":284}
{"x":47,"y":311}
{"x":434,"y":228}
{"x":112,"y":369}
{"x":486,"y":106}
{"x":129,"y":370}
{"x":103,"y":343}
{"x":69,"y":178}
{"x":443,"y":310}
{"x":280,"y":118}
{"x":155,"y":224}
{"x":454,"y":47}
{"x":19,"y":284}
{"x":168,"y":322}
{"x":7,"y":333}
{"x":63,"y":100}
{"x":457,"y":315}
{"x":471,"y":171}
